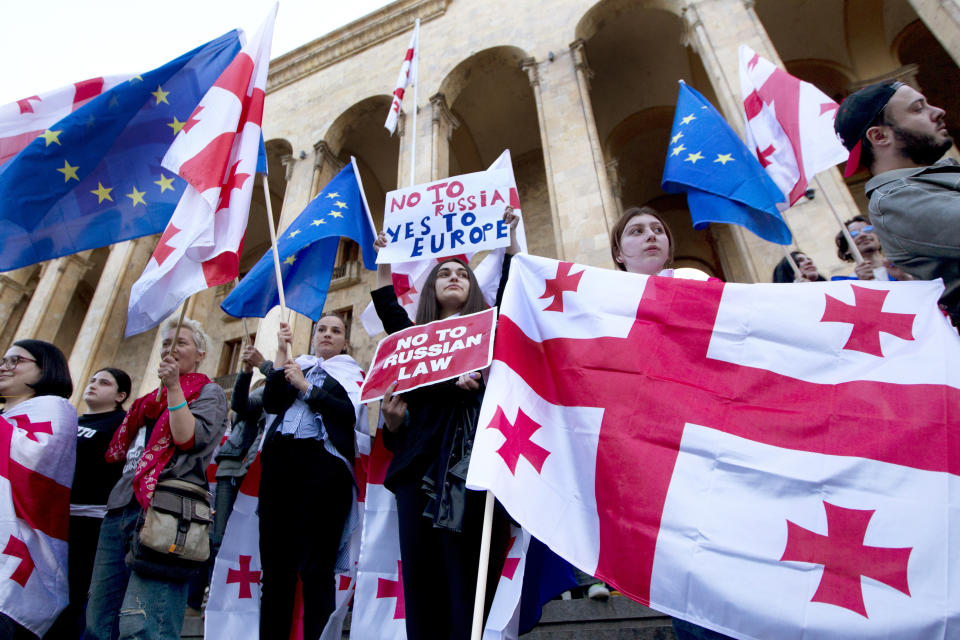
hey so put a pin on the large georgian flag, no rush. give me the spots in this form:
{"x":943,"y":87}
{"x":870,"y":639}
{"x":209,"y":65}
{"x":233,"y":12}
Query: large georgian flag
{"x":218,"y":152}
{"x":38,"y":446}
{"x":769,"y":461}
{"x":789,"y":125}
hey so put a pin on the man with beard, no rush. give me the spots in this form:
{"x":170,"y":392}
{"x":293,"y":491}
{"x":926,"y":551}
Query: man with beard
{"x":914,"y":193}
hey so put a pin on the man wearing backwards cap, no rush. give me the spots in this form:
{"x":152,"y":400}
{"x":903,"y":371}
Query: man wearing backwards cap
{"x":914,"y":193}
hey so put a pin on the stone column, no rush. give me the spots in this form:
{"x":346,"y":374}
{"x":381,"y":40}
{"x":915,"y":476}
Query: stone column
{"x":402,"y":151}
{"x":610,"y":209}
{"x":443,"y":124}
{"x":15,"y":291}
{"x":715,"y":29}
{"x":942,"y":17}
{"x":45,"y":312}
{"x":530,"y":66}
{"x":325,"y":166}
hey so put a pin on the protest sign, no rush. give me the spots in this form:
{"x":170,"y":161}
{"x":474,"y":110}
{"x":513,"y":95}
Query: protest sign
{"x":452,"y":216}
{"x":434,"y":352}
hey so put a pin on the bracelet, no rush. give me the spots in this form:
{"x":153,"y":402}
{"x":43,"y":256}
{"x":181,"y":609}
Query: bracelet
{"x":179,"y":406}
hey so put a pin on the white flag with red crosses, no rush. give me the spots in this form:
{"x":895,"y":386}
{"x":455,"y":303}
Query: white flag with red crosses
{"x":38,"y":445}
{"x":218,"y":152}
{"x":766,"y":460}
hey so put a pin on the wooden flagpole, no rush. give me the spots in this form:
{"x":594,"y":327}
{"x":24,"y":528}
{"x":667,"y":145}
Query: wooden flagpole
{"x":276,"y":256}
{"x":481,"y":594}
{"x":176,"y":338}
{"x":843,"y":227}
{"x":416,"y":84}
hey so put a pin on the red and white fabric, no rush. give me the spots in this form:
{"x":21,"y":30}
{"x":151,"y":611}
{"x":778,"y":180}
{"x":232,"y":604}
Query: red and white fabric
{"x":503,"y":621}
{"x":408,"y":277}
{"x":789,"y":125}
{"x":217,"y":153}
{"x":38,"y":448}
{"x":769,"y":461}
{"x":378,"y":610}
{"x":408,"y":74}
{"x":26,"y":119}
{"x":233,"y":608}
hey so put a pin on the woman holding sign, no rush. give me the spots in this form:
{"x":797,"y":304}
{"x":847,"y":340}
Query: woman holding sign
{"x":430,"y":431}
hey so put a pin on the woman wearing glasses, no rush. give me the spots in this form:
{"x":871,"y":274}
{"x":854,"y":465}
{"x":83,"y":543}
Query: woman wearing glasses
{"x":874,"y":266}
{"x":38,"y":433}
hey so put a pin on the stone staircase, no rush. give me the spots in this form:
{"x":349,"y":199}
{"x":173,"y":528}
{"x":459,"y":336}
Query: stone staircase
{"x":618,"y":618}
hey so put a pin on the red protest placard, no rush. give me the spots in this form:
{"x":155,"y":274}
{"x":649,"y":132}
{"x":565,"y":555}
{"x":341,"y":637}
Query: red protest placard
{"x":425,"y":354}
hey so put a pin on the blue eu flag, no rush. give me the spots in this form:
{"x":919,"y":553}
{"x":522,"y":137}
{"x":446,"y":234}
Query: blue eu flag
{"x":101,"y":182}
{"x":307,"y":250}
{"x":723,"y":181}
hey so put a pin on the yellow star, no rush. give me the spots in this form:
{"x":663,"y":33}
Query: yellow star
{"x":335,"y":214}
{"x":724,"y":158}
{"x":90,"y":121}
{"x":290,"y":259}
{"x":333,"y":195}
{"x":676,"y":150}
{"x":51,"y":136}
{"x":114,"y":104}
{"x":317,"y":223}
{"x":676,"y":138}
{"x":164,"y":183}
{"x":137,"y":197}
{"x":102,"y":192}
{"x":293,"y":234}
{"x":342,"y":205}
{"x":693,"y":157}
{"x":176,"y":125}
{"x":69,"y":171}
{"x":136,"y":78}
{"x":160,"y":94}
{"x":690,"y":118}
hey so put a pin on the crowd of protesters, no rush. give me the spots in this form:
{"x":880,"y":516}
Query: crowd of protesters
{"x":129,"y":465}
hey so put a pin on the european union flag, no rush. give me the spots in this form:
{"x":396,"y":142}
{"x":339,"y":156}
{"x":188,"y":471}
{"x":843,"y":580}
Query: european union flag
{"x":722,"y":179}
{"x":307,"y":250}
{"x":100,"y":181}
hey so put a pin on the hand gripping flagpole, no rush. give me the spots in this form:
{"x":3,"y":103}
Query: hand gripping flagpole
{"x":481,"y":595}
{"x":176,"y":339}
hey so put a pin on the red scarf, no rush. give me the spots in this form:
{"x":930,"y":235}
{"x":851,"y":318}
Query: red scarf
{"x":160,"y":448}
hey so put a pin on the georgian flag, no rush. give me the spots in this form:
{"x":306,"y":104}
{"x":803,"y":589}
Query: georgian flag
{"x":408,"y":74}
{"x":218,"y":152}
{"x":38,"y":446}
{"x":768,"y":461}
{"x":789,"y":125}
{"x":233,"y":609}
{"x":408,"y":277}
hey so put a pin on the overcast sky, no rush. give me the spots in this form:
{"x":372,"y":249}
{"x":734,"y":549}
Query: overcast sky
{"x":45,"y":44}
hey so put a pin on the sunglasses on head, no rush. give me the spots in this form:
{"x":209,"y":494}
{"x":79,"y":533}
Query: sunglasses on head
{"x":866,"y":229}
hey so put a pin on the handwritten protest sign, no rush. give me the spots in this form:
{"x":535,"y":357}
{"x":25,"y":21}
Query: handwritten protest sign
{"x":425,"y":354}
{"x":447,"y":217}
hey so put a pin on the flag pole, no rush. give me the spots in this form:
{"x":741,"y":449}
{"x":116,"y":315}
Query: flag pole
{"x":176,"y":338}
{"x":843,"y":227}
{"x":276,"y":254}
{"x":793,"y":263}
{"x":481,"y":595}
{"x":416,"y":85}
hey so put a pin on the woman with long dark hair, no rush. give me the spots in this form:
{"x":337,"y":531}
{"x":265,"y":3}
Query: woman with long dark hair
{"x":38,"y":431}
{"x":430,"y":431}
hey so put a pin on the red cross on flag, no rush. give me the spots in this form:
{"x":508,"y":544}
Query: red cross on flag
{"x":731,"y":454}
{"x":37,"y":453}
{"x":218,"y":152}
{"x":789,"y":125}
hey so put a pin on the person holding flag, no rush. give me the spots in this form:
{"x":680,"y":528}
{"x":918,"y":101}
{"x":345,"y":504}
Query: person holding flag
{"x":430,"y":430}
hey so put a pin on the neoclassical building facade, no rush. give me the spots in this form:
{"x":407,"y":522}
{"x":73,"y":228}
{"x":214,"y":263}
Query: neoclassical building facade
{"x":582,"y":92}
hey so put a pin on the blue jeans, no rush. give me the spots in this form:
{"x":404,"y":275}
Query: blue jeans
{"x":123,"y":604}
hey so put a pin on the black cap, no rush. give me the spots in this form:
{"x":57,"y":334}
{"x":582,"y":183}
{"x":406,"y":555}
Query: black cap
{"x":855,"y":115}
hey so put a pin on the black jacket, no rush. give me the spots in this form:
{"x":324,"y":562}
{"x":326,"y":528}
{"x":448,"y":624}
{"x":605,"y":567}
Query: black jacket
{"x":330,"y":400}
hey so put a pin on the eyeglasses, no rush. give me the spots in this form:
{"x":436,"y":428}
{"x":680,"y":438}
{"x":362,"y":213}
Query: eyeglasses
{"x":855,"y":232}
{"x":11,"y":362}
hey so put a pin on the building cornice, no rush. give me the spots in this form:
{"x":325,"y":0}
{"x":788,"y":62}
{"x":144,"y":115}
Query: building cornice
{"x":350,"y":39}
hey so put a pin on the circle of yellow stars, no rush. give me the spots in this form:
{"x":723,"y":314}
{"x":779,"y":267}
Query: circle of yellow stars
{"x":316,"y":222}
{"x":695,"y":156}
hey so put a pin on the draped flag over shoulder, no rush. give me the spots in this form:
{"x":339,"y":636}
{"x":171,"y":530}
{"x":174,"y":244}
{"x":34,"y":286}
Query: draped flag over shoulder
{"x":233,"y":609}
{"x":740,"y":456}
{"x":307,"y":251}
{"x":789,"y":125}
{"x":408,"y":277}
{"x":722,"y":180}
{"x":37,"y":451}
{"x":218,"y":152}
{"x":80,"y":166}
{"x":408,"y":74}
